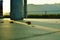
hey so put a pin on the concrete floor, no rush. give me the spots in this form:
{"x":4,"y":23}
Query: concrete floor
{"x":38,"y":30}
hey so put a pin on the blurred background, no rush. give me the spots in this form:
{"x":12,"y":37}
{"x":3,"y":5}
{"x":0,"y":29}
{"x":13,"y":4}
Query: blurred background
{"x":37,"y":8}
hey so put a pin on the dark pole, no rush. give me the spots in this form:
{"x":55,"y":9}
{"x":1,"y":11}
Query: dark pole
{"x":1,"y":8}
{"x":25,"y":8}
{"x":16,"y":10}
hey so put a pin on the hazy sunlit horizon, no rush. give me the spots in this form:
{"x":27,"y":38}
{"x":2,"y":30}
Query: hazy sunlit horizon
{"x":42,"y":1}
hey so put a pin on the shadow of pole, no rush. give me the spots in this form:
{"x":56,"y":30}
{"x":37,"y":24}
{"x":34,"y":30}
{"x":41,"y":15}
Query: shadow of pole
{"x":36,"y":35}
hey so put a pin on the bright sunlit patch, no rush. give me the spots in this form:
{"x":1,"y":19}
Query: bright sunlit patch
{"x":6,"y":6}
{"x":6,"y":19}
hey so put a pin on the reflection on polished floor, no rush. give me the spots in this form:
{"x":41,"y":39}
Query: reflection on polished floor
{"x":19,"y":31}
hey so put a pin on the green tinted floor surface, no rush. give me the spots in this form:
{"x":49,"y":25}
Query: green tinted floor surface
{"x":19,"y":31}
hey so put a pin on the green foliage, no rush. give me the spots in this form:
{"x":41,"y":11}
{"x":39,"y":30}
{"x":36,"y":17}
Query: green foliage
{"x":44,"y":16}
{"x":6,"y":16}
